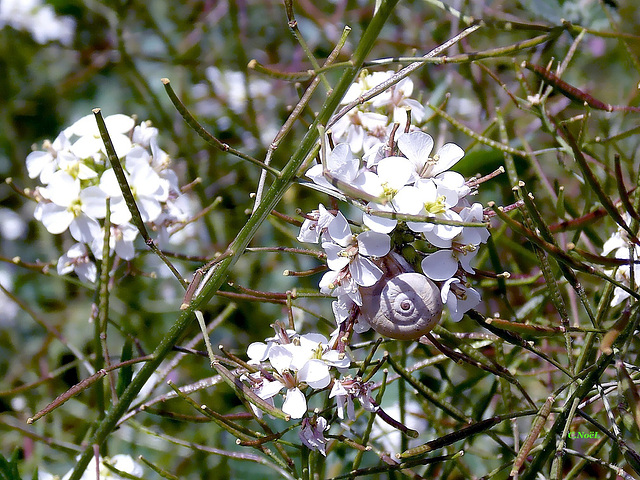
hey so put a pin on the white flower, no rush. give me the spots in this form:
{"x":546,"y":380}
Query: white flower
{"x":622,"y":275}
{"x":428,"y":199}
{"x":160,"y":161}
{"x":174,"y":225}
{"x":315,"y":223}
{"x":417,"y":146}
{"x":69,"y":208}
{"x":43,"y":163}
{"x":394,"y":100}
{"x":366,"y":81}
{"x":619,"y":239}
{"x":623,"y":272}
{"x":342,"y":308}
{"x":340,"y":283}
{"x":614,"y":242}
{"x":121,"y":241}
{"x":342,"y":166}
{"x":144,"y":133}
{"x":393,"y":173}
{"x":360,"y":130}
{"x":443,"y":264}
{"x":458,"y":298}
{"x":77,"y":184}
{"x":77,"y":259}
{"x":287,"y":363}
{"x":90,"y":141}
{"x":375,"y":153}
{"x":312,"y":434}
{"x":148,"y":189}
{"x":454,"y":185}
{"x":473,"y":235}
{"x":346,"y":390}
{"x":345,"y":249}
{"x":305,"y":360}
{"x":264,"y":388}
{"x":74,"y":166}
{"x":620,"y":243}
{"x":259,"y":351}
{"x":397,"y":98}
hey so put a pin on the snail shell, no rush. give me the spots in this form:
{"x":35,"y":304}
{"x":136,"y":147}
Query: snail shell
{"x":403,"y":304}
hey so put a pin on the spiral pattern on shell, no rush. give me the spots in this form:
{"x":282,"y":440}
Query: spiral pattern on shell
{"x":405,"y":306}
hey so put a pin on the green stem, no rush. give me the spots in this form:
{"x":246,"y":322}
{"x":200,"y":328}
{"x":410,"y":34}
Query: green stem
{"x":206,"y":136}
{"x":103,"y":303}
{"x":293,"y":26}
{"x":471,"y":56}
{"x":480,"y":138}
{"x":295,"y":76}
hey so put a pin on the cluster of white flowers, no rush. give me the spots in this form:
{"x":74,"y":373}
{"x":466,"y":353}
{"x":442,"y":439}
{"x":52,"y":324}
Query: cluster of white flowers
{"x":365,"y":126}
{"x":620,"y":244}
{"x":37,"y":18}
{"x":300,"y":365}
{"x":294,"y":361}
{"x":409,"y":196}
{"x":405,"y":178}
{"x":77,"y":180}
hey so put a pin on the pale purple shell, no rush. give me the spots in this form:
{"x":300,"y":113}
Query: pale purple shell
{"x":404,"y":307}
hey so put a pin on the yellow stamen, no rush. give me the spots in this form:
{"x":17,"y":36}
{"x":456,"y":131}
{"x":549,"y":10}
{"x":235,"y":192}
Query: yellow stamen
{"x":436,"y":207}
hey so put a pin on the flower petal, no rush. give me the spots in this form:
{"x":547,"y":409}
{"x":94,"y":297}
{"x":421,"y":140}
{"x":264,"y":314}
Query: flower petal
{"x":374,"y":244}
{"x":379,"y":224}
{"x":280,"y":358}
{"x":56,"y":219}
{"x":448,"y":155}
{"x":364,"y":271}
{"x":340,"y":231}
{"x":295,"y":403}
{"x":94,"y":201}
{"x":341,"y":163}
{"x":416,"y":146}
{"x":441,"y":265}
{"x":315,"y":373}
{"x":335,"y":261}
{"x":85,"y":229}
{"x":395,"y":172}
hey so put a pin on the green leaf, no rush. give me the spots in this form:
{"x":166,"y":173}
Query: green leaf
{"x":9,"y":468}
